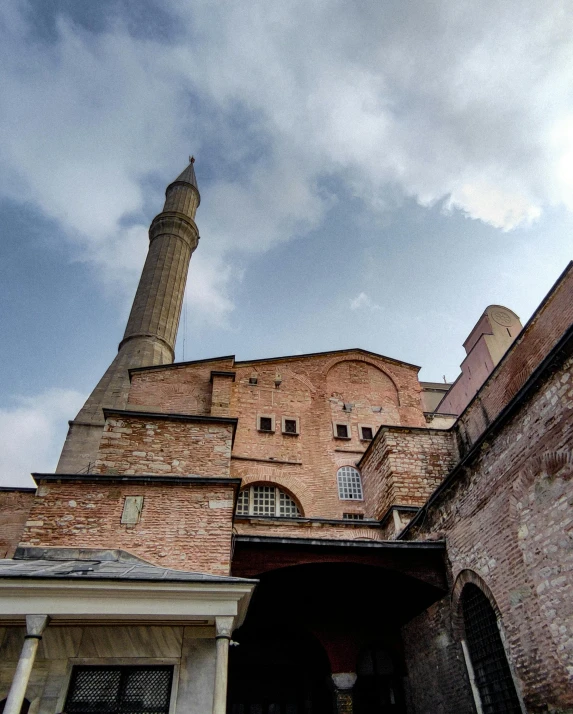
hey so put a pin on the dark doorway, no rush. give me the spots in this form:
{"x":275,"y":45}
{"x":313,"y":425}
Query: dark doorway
{"x":487,"y":653}
{"x":379,"y":684}
{"x":278,"y":672}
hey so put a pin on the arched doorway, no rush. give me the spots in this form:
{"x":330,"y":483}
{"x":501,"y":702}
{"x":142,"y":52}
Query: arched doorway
{"x":487,"y":654}
{"x":278,"y":671}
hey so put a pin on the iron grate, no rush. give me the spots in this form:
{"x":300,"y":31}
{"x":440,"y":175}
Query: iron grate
{"x":119,"y":690}
{"x":491,"y":669}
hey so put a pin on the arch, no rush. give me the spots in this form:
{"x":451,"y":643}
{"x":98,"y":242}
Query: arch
{"x":293,"y":485}
{"x":281,"y":502}
{"x":360,"y":379}
{"x":358,"y":358}
{"x":478,"y":623}
{"x":349,"y":481}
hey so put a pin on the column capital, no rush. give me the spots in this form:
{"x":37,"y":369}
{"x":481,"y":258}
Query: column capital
{"x":344,"y":680}
{"x":224,"y":627}
{"x":36,"y":624}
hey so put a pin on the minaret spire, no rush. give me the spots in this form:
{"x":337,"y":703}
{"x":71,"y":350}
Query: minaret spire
{"x":151,"y":330}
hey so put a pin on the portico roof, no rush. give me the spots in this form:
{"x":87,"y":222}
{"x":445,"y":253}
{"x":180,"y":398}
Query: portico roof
{"x":98,"y":585}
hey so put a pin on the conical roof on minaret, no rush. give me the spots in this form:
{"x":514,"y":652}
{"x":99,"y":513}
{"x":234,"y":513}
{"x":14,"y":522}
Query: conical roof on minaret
{"x":188,"y":174}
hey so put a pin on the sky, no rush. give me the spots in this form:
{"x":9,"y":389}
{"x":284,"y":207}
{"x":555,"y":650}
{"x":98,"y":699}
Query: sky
{"x":372,"y":175}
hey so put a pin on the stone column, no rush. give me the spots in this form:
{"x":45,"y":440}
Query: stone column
{"x":343,"y":684}
{"x":35,"y":626}
{"x":224,"y":629}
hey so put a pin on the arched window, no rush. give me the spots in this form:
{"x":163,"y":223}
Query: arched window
{"x":349,"y":484}
{"x":487,"y":654}
{"x":266,"y":501}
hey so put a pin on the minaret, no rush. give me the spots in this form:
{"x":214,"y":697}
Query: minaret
{"x":151,"y":330}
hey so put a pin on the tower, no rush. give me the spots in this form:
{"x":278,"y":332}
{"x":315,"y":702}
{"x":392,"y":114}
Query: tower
{"x":151,"y":331}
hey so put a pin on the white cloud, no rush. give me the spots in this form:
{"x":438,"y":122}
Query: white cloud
{"x":464,"y":102}
{"x":33,"y":432}
{"x":362,"y":301}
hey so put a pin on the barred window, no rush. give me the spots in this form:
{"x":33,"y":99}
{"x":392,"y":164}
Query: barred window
{"x":118,"y":689}
{"x":491,"y":669}
{"x":353,"y":516}
{"x":266,"y":501}
{"x":349,"y":484}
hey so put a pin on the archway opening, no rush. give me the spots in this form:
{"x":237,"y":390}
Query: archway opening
{"x":278,"y":670}
{"x":378,"y":687}
{"x":487,"y":654}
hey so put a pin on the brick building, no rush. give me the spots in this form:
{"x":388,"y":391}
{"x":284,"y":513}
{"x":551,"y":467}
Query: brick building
{"x":371,"y":543}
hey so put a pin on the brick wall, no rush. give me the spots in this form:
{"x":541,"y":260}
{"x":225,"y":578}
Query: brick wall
{"x":183,"y":388}
{"x":182,"y":526}
{"x":436,"y":678}
{"x":538,"y":338}
{"x":295,"y":528}
{"x":313,"y":389}
{"x":15,"y":505}
{"x":508,"y":519}
{"x":133,"y":444}
{"x":404,"y":466}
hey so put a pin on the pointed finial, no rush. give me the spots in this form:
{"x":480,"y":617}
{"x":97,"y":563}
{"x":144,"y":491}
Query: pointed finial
{"x":191,"y":159}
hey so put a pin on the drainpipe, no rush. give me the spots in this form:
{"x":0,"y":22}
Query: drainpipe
{"x":35,"y":626}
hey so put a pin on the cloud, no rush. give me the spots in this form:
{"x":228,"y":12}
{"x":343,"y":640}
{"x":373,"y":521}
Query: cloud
{"x":467,"y":104}
{"x":33,"y":432}
{"x":362,"y":301}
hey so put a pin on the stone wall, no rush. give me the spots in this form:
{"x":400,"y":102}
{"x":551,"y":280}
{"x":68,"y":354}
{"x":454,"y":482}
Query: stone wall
{"x":15,"y":505}
{"x":152,"y":444}
{"x":508,"y":521}
{"x":404,"y":466}
{"x":183,"y":526}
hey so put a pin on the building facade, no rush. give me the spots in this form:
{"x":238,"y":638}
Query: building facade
{"x":369,"y":542}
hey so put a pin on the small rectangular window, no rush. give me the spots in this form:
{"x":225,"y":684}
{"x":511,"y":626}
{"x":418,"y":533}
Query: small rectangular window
{"x":266,"y":423}
{"x":366,"y":433}
{"x":118,"y":689}
{"x":341,"y":431}
{"x":353,"y":516}
{"x":290,"y":426}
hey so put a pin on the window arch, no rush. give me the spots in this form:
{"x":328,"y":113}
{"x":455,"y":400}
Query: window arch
{"x":266,"y":500}
{"x":349,"y":484}
{"x":493,"y":678}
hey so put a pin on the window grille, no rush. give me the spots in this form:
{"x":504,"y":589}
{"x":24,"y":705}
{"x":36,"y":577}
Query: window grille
{"x":266,"y":501}
{"x":353,"y":516}
{"x":119,"y":690}
{"x":243,"y":503}
{"x":265,"y":423}
{"x":263,"y":500}
{"x":492,"y":674}
{"x":287,"y":507}
{"x":290,"y":426}
{"x":349,"y":484}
